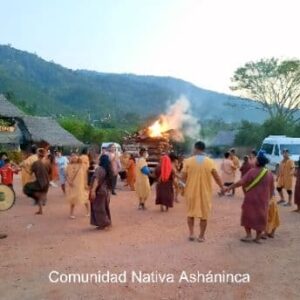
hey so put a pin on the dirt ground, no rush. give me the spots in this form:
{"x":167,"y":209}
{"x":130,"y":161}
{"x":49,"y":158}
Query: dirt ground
{"x":147,"y":241}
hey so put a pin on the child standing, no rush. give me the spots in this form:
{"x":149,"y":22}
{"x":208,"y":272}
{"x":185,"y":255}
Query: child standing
{"x":7,"y":173}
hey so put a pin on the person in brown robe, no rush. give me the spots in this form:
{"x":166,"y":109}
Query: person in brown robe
{"x":164,"y":188}
{"x":297,"y":188}
{"x":100,"y":194}
{"x":258,"y":185}
{"x":38,"y":189}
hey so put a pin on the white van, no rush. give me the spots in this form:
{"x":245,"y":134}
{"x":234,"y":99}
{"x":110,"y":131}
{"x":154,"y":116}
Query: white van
{"x":273,"y":145}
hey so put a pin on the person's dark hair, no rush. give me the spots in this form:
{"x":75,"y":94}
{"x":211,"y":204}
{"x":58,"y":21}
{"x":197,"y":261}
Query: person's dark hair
{"x":51,"y":158}
{"x":132,"y":157}
{"x":200,"y":146}
{"x":232,"y":151}
{"x":254,"y":152}
{"x":105,"y":163}
{"x":246,"y":158}
{"x":226,"y":154}
{"x":285,"y":151}
{"x":262,"y":160}
{"x":142,"y":151}
{"x":6,"y":161}
{"x":33,"y":149}
{"x":84,"y":151}
{"x":173,"y":156}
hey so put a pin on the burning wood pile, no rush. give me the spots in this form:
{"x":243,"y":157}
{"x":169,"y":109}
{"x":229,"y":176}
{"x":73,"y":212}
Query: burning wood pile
{"x":154,"y":138}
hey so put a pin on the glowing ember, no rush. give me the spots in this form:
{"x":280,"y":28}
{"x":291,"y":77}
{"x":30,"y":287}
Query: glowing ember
{"x":159,"y":128}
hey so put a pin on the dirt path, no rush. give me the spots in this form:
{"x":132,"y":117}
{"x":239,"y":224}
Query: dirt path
{"x":146,"y":241}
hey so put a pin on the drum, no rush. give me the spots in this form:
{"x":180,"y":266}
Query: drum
{"x":7,"y":197}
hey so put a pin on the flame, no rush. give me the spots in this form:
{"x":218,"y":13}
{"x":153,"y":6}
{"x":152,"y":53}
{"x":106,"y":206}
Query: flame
{"x":158,"y":128}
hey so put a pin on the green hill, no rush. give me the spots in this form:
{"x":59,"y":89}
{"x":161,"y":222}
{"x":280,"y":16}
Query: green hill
{"x":46,"y":88}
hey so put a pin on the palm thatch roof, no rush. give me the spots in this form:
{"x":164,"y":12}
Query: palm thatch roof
{"x":48,"y":130}
{"x":33,"y":129}
{"x":9,"y":110}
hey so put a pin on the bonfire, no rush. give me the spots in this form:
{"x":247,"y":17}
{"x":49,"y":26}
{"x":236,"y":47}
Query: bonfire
{"x":155,"y":138}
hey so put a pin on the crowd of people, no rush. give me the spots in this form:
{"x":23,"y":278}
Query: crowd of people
{"x":91,"y":183}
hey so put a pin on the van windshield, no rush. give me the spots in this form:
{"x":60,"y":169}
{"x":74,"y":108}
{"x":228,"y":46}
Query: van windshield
{"x":293,"y":148}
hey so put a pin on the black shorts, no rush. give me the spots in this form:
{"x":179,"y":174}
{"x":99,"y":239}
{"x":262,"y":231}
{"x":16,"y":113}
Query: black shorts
{"x":279,"y":189}
{"x":31,"y":188}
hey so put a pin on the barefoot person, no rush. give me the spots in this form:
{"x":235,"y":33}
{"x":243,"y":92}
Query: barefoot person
{"x":76,"y":185}
{"x":142,"y":184}
{"x":131,"y":172}
{"x":297,"y":188}
{"x":258,"y":185}
{"x":198,"y":172}
{"x":285,"y":178}
{"x":176,"y":175}
{"x":228,"y":171}
{"x":164,"y":188}
{"x":61,"y":162}
{"x":38,"y":189}
{"x":100,"y":194}
{"x":30,"y":158}
{"x":116,"y":166}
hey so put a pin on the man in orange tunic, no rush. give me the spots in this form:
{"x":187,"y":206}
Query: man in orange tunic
{"x":285,"y":178}
{"x":198,"y":172}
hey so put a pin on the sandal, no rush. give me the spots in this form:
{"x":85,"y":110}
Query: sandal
{"x":191,"y":238}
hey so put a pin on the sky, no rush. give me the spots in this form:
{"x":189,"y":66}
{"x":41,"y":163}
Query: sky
{"x":200,"y":41}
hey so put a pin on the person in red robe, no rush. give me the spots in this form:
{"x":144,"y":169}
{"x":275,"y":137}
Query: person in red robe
{"x":164,"y":189}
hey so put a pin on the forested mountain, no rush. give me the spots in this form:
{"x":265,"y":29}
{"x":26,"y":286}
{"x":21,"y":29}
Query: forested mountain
{"x":45,"y":88}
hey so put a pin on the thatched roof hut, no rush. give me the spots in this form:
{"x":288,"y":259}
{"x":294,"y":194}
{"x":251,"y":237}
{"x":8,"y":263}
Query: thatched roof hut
{"x":44,"y":129}
{"x":23,"y":129}
{"x":9,"y":110}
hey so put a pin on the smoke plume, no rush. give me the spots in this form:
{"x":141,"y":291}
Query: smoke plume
{"x":179,"y":118}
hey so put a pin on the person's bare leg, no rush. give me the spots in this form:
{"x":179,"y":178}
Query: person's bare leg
{"x":248,"y":237}
{"x":297,"y":209}
{"x":290,"y":199}
{"x":190,"y":222}
{"x":38,"y":197}
{"x":281,"y":195}
{"x":72,"y":206}
{"x":63,"y":188}
{"x":87,"y":209}
{"x":248,"y":232}
{"x":40,"y":208}
{"x":272,"y":233}
{"x":258,"y":237}
{"x":203,"y":226}
{"x":161,"y":208}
